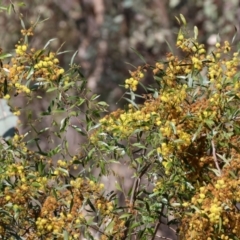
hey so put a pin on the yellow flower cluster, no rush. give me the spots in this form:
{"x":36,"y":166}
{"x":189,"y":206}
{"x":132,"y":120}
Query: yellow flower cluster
{"x":123,"y":124}
{"x":14,"y":73}
{"x":126,"y":123}
{"x":220,"y":70}
{"x":215,"y":203}
{"x":47,"y":68}
{"x":27,"y":32}
{"x":19,"y":70}
{"x":18,"y":141}
{"x":132,"y":82}
{"x":190,"y":45}
{"x":21,"y":49}
{"x":104,"y":206}
{"x":158,"y":67}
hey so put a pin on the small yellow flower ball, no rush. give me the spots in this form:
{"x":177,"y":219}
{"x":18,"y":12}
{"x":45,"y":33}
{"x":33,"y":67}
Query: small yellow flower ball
{"x":8,"y":197}
{"x":24,"y":48}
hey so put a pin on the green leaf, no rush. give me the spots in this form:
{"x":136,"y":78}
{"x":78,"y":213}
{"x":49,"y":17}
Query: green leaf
{"x":51,"y":40}
{"x":65,"y":235}
{"x":109,"y":228}
{"x":220,"y":225}
{"x":139,"y":55}
{"x":209,"y":122}
{"x":63,"y":124}
{"x":132,"y":102}
{"x":234,"y":36}
{"x":196,"y":134}
{"x":63,"y":170}
{"x":139,"y":145}
{"x":73,"y":57}
{"x":54,"y":151}
{"x":52,"y":89}
{"x":30,"y":73}
{"x":190,"y":80}
{"x":5,"y":55}
{"x":140,"y":233}
{"x":22,"y":23}
{"x":91,"y":205}
{"x":3,"y":8}
{"x":21,"y":4}
{"x":173,"y":128}
{"x":169,"y":46}
{"x":102,"y":104}
{"x":9,"y":9}
{"x":125,"y":215}
{"x":195,"y":32}
{"x":183,"y":19}
{"x":118,"y":187}
{"x":43,"y":130}
{"x":38,"y":53}
{"x":94,"y":97}
{"x":78,"y":129}
{"x":178,"y":20}
{"x":36,"y":184}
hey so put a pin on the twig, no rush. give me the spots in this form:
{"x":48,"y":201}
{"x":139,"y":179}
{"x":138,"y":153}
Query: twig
{"x":134,"y":195}
{"x":158,"y":223}
{"x":163,"y":237}
{"x":215,"y":157}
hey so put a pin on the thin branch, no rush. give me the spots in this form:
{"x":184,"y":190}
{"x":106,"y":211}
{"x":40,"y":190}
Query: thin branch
{"x":174,"y":230}
{"x":215,"y":157}
{"x":134,"y":195}
{"x":161,"y":237}
{"x":158,"y":223}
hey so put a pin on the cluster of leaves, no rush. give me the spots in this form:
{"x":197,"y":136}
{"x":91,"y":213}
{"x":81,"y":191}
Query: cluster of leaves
{"x":182,"y":144}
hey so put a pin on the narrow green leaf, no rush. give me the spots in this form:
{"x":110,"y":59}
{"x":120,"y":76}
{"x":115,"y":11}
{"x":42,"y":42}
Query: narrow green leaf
{"x":46,"y":45}
{"x":64,"y":171}
{"x":5,"y":55}
{"x":78,"y":129}
{"x":183,"y":19}
{"x":132,"y":102}
{"x":22,"y":23}
{"x":125,"y":215}
{"x":169,"y":46}
{"x":9,"y":9}
{"x":65,"y":235}
{"x":73,"y":57}
{"x":173,"y":128}
{"x":52,"y":89}
{"x":118,"y":187}
{"x":195,"y":32}
{"x":178,"y":20}
{"x":139,"y":145}
{"x":63,"y":124}
{"x":139,"y":55}
{"x":234,"y":36}
{"x":109,"y":228}
{"x":102,"y":104}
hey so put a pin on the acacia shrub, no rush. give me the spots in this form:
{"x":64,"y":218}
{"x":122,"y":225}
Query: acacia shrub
{"x":186,"y":142}
{"x":182,"y":144}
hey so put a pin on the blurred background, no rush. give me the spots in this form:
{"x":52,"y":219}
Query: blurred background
{"x":104,"y":31}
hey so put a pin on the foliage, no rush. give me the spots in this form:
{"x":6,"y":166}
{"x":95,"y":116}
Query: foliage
{"x":182,"y":144}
